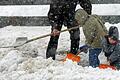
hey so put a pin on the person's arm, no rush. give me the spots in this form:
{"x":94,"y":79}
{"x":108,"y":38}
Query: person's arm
{"x":115,"y":55}
{"x":91,"y":34}
{"x":107,"y":48}
{"x":86,"y":5}
{"x":104,"y":44}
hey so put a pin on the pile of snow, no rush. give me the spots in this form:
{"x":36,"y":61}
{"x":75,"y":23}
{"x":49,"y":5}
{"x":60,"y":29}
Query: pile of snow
{"x":28,"y":62}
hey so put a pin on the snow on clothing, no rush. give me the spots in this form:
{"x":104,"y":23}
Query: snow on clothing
{"x":112,"y":51}
{"x":62,"y":12}
{"x":94,"y":30}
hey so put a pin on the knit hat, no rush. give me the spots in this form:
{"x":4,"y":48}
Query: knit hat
{"x":81,"y":16}
{"x":113,"y":33}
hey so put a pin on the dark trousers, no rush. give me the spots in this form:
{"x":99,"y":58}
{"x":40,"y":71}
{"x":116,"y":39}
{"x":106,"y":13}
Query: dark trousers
{"x":53,"y":43}
{"x":93,"y":57}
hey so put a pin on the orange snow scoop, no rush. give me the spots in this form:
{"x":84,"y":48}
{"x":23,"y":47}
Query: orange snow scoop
{"x":73,"y":57}
{"x":105,"y":66}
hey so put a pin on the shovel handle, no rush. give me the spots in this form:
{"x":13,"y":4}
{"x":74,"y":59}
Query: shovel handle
{"x":50,"y":34}
{"x":36,"y":38}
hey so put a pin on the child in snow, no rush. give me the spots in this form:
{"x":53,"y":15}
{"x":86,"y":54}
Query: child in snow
{"x":62,"y":13}
{"x":111,"y":47}
{"x":94,"y":30}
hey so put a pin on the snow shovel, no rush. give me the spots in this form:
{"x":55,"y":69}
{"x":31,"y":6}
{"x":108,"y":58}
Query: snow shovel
{"x":20,"y":41}
{"x":105,"y":66}
{"x":73,"y":57}
{"x":76,"y":58}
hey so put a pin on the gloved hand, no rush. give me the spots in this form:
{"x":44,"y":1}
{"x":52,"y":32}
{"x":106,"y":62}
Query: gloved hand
{"x":84,"y":48}
{"x":55,"y":32}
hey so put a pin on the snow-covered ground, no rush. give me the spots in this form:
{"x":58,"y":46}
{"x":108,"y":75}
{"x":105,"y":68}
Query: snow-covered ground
{"x":28,"y":62}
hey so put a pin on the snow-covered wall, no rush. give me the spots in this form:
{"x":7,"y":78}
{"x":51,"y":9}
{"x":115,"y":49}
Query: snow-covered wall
{"x":34,"y":12}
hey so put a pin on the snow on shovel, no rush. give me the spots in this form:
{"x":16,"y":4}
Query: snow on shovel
{"x":20,"y":41}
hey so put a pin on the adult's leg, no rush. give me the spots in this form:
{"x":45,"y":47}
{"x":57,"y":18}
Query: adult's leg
{"x":93,"y":57}
{"x":75,"y":38}
{"x":55,"y":19}
{"x":74,"y":34}
{"x":52,"y":45}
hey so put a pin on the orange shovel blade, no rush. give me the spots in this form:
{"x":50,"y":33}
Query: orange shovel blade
{"x":105,"y":66}
{"x":72,"y":57}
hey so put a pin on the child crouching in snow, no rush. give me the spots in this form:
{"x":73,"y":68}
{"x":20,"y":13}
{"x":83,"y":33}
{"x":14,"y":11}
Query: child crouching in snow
{"x":93,"y":29}
{"x":111,"y":47}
